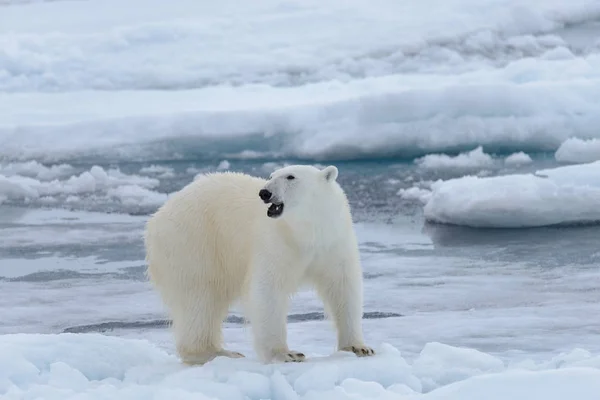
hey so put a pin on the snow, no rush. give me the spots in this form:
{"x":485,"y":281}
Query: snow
{"x":36,"y":170}
{"x":519,"y":158}
{"x":32,"y":181}
{"x":160,"y":170}
{"x":439,"y":364}
{"x":134,"y":195}
{"x":549,"y":385}
{"x":310,"y":79}
{"x":223,"y":165}
{"x":575,"y":150}
{"x":59,"y":367}
{"x":415,"y":193}
{"x":560,"y":196}
{"x":404,"y":114}
{"x":475,"y":159}
{"x":66,"y":47}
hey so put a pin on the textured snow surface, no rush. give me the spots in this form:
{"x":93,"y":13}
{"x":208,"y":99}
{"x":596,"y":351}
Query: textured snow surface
{"x":150,"y":79}
{"x":34,"y":182}
{"x":560,"y":196}
{"x":574,"y":150}
{"x":519,"y":158}
{"x":475,"y":159}
{"x":92,"y":366}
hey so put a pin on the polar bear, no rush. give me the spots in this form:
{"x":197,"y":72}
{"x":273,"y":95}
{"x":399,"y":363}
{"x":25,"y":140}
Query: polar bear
{"x":216,"y":242}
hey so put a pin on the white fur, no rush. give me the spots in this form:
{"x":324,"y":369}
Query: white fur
{"x":212,"y":243}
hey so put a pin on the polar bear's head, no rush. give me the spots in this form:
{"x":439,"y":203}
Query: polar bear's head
{"x":297,"y":189}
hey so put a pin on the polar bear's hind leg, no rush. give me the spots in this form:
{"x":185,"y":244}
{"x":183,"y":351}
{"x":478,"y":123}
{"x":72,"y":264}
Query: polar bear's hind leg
{"x":199,"y":330}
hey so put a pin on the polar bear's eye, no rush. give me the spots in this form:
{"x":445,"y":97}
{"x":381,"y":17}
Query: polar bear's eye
{"x":290,"y":177}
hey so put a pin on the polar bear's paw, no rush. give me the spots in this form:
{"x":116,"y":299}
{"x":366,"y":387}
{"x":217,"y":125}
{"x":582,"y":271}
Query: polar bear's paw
{"x":204,"y":357}
{"x":290,"y":356}
{"x":231,"y":354}
{"x":360,"y":351}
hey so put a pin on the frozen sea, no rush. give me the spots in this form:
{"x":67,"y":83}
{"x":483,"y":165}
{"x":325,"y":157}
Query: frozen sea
{"x":467,"y":141}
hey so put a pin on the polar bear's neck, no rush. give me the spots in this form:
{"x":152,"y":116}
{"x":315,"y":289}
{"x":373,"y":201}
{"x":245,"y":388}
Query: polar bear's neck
{"x":326,"y":219}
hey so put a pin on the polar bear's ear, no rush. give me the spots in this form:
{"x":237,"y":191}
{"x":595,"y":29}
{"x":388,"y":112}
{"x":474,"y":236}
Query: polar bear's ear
{"x":330,"y":173}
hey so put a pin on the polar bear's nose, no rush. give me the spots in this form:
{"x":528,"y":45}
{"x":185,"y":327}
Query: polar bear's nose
{"x":265,"y":195}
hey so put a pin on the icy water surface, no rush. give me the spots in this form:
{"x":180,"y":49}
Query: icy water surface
{"x":528,"y":293}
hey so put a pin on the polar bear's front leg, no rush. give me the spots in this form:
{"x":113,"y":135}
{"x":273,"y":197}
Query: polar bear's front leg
{"x":339,"y":285}
{"x":269,"y":299}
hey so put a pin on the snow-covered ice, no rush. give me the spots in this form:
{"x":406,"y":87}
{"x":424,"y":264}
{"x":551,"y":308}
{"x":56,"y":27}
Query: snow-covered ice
{"x":311,"y":79}
{"x":404,"y":114}
{"x":94,"y":366}
{"x":574,"y":150}
{"x":34,"y":169}
{"x":475,"y":159}
{"x":519,"y":158}
{"x":560,"y":196}
{"x":34,"y":182}
{"x":160,"y":171}
{"x":415,"y":193}
{"x":79,"y":46}
{"x":223,"y":165}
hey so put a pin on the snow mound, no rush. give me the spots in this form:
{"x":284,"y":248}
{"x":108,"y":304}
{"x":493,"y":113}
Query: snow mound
{"x":574,"y":150}
{"x":519,"y":158}
{"x":475,"y":159}
{"x":34,"y":169}
{"x":576,"y":383}
{"x":34,"y":182}
{"x":415,"y":193}
{"x":560,"y":196}
{"x":223,"y":165}
{"x":94,"y":366}
{"x":440,"y":364}
{"x":160,"y":171}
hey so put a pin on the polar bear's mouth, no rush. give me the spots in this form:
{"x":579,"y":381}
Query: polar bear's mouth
{"x":275,"y":210}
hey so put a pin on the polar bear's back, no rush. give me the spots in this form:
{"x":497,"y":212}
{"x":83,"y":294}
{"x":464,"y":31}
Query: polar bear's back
{"x":204,"y":233}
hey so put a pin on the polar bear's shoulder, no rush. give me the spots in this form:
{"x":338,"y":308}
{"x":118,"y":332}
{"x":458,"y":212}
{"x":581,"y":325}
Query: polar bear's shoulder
{"x":227,"y":180}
